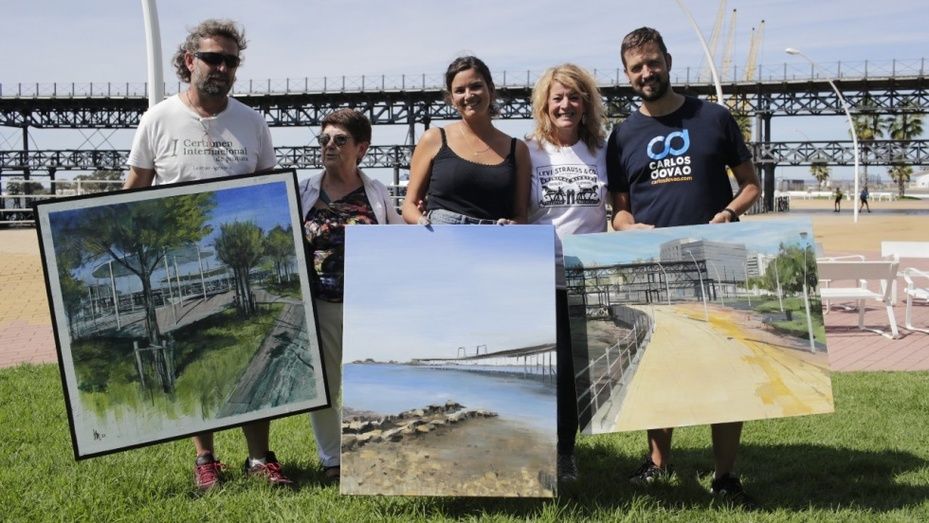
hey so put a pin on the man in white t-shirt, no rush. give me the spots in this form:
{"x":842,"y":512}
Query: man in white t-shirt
{"x":203,"y":133}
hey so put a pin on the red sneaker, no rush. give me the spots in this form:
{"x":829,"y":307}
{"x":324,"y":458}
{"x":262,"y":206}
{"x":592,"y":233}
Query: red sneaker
{"x":271,"y":471}
{"x":208,"y":472}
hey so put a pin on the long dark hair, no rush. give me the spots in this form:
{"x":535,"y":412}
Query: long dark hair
{"x":463,"y":63}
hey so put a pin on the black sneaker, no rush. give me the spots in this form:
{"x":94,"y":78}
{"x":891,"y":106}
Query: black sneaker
{"x":649,"y":473}
{"x":567,"y":468}
{"x":729,"y":489}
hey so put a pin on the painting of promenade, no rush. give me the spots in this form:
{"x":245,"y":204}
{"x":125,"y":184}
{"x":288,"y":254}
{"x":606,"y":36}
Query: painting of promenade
{"x":180,"y":309}
{"x":448,"y":361}
{"x":695,"y":325}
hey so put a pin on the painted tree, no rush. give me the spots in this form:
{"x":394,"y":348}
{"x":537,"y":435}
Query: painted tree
{"x":279,"y":245}
{"x":240,"y":245}
{"x":904,"y":127}
{"x":68,"y":261}
{"x":137,"y":235}
{"x":789,"y":267}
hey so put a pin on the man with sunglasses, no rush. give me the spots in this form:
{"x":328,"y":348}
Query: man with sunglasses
{"x":203,"y":133}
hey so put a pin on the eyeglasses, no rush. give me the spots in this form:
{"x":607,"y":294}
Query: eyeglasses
{"x":338,"y":139}
{"x":232,"y":61}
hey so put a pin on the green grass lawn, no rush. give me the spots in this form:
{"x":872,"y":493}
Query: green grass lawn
{"x":868,"y":461}
{"x":798,"y":325}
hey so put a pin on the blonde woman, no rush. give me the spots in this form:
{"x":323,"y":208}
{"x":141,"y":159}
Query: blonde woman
{"x":568,"y":190}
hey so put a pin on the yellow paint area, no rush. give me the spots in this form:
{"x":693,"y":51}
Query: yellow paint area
{"x":731,"y":368}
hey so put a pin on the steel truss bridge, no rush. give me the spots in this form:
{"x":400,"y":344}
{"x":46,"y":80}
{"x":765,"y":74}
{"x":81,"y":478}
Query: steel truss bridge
{"x":645,"y":282}
{"x":886,"y":92}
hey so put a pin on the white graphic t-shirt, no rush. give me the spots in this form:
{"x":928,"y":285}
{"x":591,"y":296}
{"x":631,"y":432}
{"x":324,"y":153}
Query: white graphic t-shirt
{"x":182,"y":146}
{"x":567,"y":190}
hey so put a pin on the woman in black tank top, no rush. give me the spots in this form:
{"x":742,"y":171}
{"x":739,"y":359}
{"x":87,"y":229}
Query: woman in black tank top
{"x":469,"y":171}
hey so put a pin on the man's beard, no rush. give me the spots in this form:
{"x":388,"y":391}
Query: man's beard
{"x":209,"y":86}
{"x":661,"y":88}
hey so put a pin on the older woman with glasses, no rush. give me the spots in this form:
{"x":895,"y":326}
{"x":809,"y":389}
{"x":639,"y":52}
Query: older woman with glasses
{"x":567,"y":190}
{"x":338,"y":196}
{"x":470,"y":171}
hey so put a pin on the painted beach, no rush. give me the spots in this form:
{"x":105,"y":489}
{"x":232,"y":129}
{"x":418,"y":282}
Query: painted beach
{"x":449,"y":381}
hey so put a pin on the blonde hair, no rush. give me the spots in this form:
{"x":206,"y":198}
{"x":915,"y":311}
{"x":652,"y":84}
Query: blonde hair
{"x":591,"y":130}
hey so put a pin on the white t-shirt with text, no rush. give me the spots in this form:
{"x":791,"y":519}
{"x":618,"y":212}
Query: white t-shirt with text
{"x":182,"y":146}
{"x":567,"y":190}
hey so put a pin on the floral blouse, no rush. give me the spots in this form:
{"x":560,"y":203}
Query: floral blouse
{"x":324,"y":229}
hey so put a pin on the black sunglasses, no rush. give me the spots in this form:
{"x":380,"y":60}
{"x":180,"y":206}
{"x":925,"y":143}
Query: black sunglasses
{"x":339,"y":139}
{"x":214,"y":59}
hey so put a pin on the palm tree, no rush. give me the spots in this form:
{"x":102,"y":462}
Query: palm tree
{"x":903,"y":127}
{"x":867,"y":124}
{"x":900,"y":173}
{"x":820,"y":170}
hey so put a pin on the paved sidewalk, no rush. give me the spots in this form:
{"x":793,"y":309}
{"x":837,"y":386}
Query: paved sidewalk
{"x":25,"y":322}
{"x":851,"y":348}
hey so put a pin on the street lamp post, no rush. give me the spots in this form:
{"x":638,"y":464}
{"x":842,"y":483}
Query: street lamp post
{"x":667,"y":285}
{"x":156,"y":86}
{"x":851,"y":125}
{"x":806,"y":296}
{"x":706,"y":312}
{"x":777,"y":278}
{"x":748,"y":292}
{"x":720,"y":290}
{"x":706,"y":51}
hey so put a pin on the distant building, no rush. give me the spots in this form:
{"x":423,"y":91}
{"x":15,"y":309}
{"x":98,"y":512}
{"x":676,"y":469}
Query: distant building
{"x":757,"y":264}
{"x":725,"y":261}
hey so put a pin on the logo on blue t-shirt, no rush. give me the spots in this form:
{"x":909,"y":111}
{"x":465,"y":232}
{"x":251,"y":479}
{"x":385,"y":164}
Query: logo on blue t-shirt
{"x":668,"y":154}
{"x":668,"y":142}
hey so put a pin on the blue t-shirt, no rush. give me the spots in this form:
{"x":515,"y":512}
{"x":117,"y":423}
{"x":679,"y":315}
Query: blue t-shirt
{"x":674,"y":166}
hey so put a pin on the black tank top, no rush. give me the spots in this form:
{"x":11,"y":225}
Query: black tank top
{"x":473,"y":189}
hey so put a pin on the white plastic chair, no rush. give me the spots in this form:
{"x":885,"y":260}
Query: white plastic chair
{"x":915,"y":292}
{"x":861,"y":272}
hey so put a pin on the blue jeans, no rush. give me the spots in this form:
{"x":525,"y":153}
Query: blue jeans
{"x":445,"y":217}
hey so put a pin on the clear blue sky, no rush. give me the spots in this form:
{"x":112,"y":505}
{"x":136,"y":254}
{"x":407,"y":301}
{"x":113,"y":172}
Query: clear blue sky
{"x":103,"y":41}
{"x":411,"y":292}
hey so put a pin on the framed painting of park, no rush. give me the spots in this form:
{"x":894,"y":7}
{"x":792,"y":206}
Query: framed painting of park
{"x":696,"y":325}
{"x":180,"y":309}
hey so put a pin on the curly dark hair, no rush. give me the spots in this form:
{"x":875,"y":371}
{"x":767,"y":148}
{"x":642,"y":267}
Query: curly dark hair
{"x":207,"y":29}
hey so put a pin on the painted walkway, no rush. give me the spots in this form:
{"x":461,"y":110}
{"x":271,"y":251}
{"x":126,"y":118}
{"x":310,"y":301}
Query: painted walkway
{"x":729,"y":369}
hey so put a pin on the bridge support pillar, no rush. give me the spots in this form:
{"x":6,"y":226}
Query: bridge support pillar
{"x":768,"y":186}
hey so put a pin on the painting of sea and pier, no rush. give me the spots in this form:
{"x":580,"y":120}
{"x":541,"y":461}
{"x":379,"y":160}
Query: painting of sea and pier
{"x":449,"y":362}
{"x":180,"y":309}
{"x":696,"y":325}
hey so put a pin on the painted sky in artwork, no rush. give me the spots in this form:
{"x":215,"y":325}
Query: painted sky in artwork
{"x":761,"y":236}
{"x":264,"y":204}
{"x":413,"y":292}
